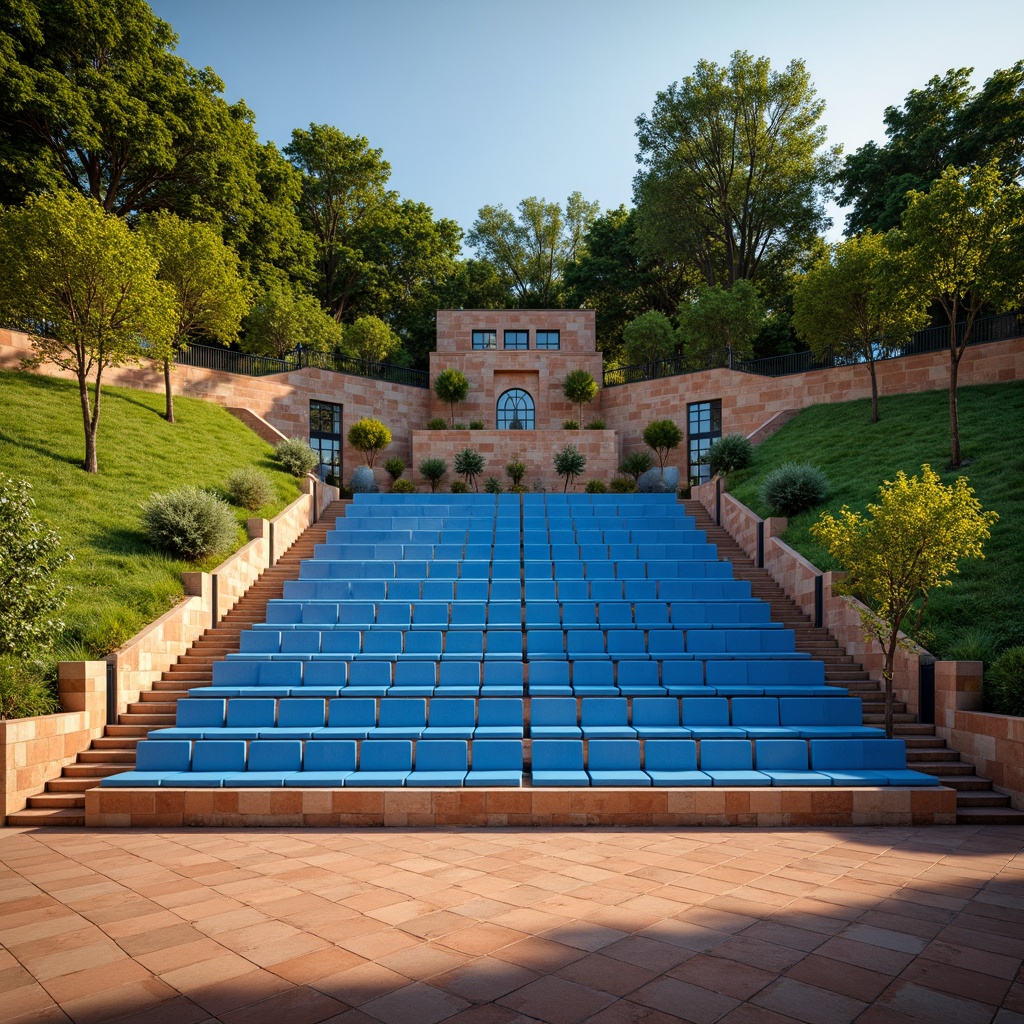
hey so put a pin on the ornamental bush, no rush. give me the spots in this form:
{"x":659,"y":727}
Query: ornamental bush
{"x":595,"y":487}
{"x":1004,"y":683}
{"x":516,"y":470}
{"x":432,"y":470}
{"x":469,"y":465}
{"x":296,"y":456}
{"x":622,"y":485}
{"x":24,"y":693}
{"x":792,"y":488}
{"x":394,"y":467}
{"x":459,"y":487}
{"x":492,"y":485}
{"x":370,"y":437}
{"x":595,"y":425}
{"x":403,"y":486}
{"x":662,"y":436}
{"x":250,"y":488}
{"x":570,"y":424}
{"x":636,"y":464}
{"x":437,"y":423}
{"x":729,"y":453}
{"x":189,"y":523}
{"x":569,"y":464}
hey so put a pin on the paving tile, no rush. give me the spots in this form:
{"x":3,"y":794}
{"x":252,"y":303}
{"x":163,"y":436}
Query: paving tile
{"x":728,"y":977}
{"x":557,"y":1001}
{"x":298,"y":1005}
{"x":844,"y":978}
{"x":484,"y":979}
{"x":808,"y":1002}
{"x":317,"y":964}
{"x":538,"y":954}
{"x":927,"y":1004}
{"x":608,"y":975}
{"x":956,"y":981}
{"x":683,"y":1000}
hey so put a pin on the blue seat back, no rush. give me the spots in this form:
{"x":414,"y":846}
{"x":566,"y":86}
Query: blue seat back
{"x":726,"y":755}
{"x":670,"y":755}
{"x":442,"y":755}
{"x":218,"y":756}
{"x":385,"y":756}
{"x":557,"y":755}
{"x":553,"y":711}
{"x":352,"y":712}
{"x":613,"y":755}
{"x":655,"y":710}
{"x":298,"y":712}
{"x":199,"y":712}
{"x":275,"y":756}
{"x":163,"y":755}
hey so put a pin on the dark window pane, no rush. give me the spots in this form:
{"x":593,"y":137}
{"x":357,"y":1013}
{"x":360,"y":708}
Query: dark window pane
{"x":485,"y":339}
{"x":517,"y":339}
{"x":549,"y":339}
{"x":515,"y":411}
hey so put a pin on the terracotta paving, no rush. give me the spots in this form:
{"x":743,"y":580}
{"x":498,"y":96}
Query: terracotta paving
{"x":823,"y":926}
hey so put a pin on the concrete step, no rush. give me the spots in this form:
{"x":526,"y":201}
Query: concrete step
{"x":967,"y":783}
{"x":58,"y":816}
{"x":93,"y":771}
{"x":981,"y":798}
{"x":133,"y":731}
{"x":72,"y":785}
{"x":932,"y":754}
{"x":107,"y":756}
{"x":115,"y":742}
{"x":53,"y":800}
{"x":151,"y":721}
{"x":989,"y":816}
{"x":944,"y":768}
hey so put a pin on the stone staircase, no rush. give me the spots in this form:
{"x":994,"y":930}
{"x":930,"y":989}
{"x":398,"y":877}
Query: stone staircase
{"x":63,"y":801}
{"x":977,"y":803}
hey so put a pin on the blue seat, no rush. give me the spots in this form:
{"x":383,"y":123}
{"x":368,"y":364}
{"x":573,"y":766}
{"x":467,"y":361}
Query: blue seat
{"x":549,"y":678}
{"x":300,"y":642}
{"x":615,"y":763}
{"x":323,"y":679}
{"x":573,"y":590}
{"x":651,"y":615}
{"x":596,"y":570}
{"x":667,"y":644}
{"x":554,"y":718}
{"x":496,"y":762}
{"x":539,"y":590}
{"x":584,"y":644}
{"x":568,"y":570}
{"x":451,"y":718}
{"x":504,"y":644}
{"x":246,"y":718}
{"x":468,"y":615}
{"x":400,"y":718}
{"x":394,"y":614}
{"x":594,"y":678}
{"x":280,"y":612}
{"x":749,"y":642}
{"x":866,"y":762}
{"x":605,"y":718}
{"x":463,"y":645}
{"x":193,"y":718}
{"x":211,"y":761}
{"x":708,"y":718}
{"x":615,"y":614}
{"x":624,"y":644}
{"x":259,"y":641}
{"x":270,"y":763}
{"x":341,"y":643}
{"x":684,"y":679}
{"x":499,"y":718}
{"x":349,"y":718}
{"x":382,"y":763}
{"x":505,"y":615}
{"x":759,"y":717}
{"x":558,"y":763}
{"x":504,"y":590}
{"x":368,"y":678}
{"x":672,"y":762}
{"x":154,"y":763}
{"x":401,"y":590}
{"x":382,"y":644}
{"x":325,"y":763}
{"x":423,"y":644}
{"x":413,"y":679}
{"x":639,"y":590}
{"x":785,"y":763}
{"x":458,"y":679}
{"x":658,"y":718}
{"x":440,"y":763}
{"x":503,"y":678}
{"x":543,"y":615}
{"x":730,"y":763}
{"x":546,"y":644}
{"x":357,"y":614}
{"x":579,"y":615}
{"x":826,"y":718}
{"x":437,"y":590}
{"x":298,"y":718}
{"x":505,"y":570}
{"x":602,"y":591}
{"x":278,"y":677}
{"x":639,"y":678}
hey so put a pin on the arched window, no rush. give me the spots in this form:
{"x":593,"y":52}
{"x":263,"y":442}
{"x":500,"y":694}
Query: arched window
{"x":515,"y":410}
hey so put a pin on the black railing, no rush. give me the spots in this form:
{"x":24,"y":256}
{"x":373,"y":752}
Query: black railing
{"x":210,"y":357}
{"x":931,"y":339}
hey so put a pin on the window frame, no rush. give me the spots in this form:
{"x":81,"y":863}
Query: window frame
{"x":547,"y":335}
{"x":481,"y":335}
{"x":503,"y":418}
{"x":709,"y":429}
{"x":516,"y":332}
{"x":333,"y":440}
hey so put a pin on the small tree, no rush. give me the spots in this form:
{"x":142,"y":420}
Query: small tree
{"x":394,"y":467}
{"x":570,"y":463}
{"x":284,"y":318}
{"x":30,"y":561}
{"x":296,"y":455}
{"x":911,"y":544}
{"x":581,"y":388}
{"x":371,"y":339}
{"x":451,"y":386}
{"x":515,"y":468}
{"x":636,"y":464}
{"x":662,"y":436}
{"x":370,"y":437}
{"x":469,"y":464}
{"x":720,"y":325}
{"x":648,"y":338}
{"x":432,"y":470}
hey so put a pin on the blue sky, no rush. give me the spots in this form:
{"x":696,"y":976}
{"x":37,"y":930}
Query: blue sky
{"x":480,"y":102}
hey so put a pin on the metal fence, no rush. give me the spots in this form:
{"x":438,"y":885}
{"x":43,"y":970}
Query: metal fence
{"x":931,"y":339}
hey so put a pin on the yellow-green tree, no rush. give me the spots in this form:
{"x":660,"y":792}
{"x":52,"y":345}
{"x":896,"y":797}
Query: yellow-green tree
{"x":370,"y":437}
{"x":910,"y":543}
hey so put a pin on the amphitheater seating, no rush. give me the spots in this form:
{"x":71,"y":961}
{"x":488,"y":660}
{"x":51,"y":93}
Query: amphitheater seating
{"x":561,"y":640}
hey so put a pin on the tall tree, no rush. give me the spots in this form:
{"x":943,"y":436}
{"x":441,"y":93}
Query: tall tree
{"x":282,"y":318}
{"x":945,"y":123}
{"x":962,"y":245}
{"x":84,"y":287}
{"x":734,"y":168}
{"x":203,"y":274}
{"x":853,"y":304}
{"x":531,"y":251}
{"x":718,"y":326}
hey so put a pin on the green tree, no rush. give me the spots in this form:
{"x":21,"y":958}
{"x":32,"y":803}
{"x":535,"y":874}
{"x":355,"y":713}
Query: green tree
{"x":635,"y":464}
{"x":433,"y":470}
{"x":852,"y":305}
{"x":370,"y":437}
{"x":203,"y":273}
{"x":580,"y":387}
{"x":648,"y":338}
{"x":911,"y":544}
{"x":515,"y":468}
{"x":84,"y":288}
{"x":569,"y":464}
{"x":719,"y":326}
{"x":30,"y":579}
{"x":733,"y":169}
{"x":532,"y":251}
{"x":960,"y":245}
{"x":283,"y":318}
{"x":662,"y":436}
{"x":371,"y":339}
{"x":451,"y":386}
{"x":469,"y":464}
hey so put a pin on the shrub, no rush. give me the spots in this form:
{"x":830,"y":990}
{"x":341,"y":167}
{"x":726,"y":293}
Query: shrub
{"x":570,"y":425}
{"x":469,"y":465}
{"x":250,"y":488}
{"x":24,"y":692}
{"x":569,"y":464}
{"x":793,"y":488}
{"x":459,"y":487}
{"x":965,"y":643}
{"x":729,"y":453}
{"x":369,"y":436}
{"x":492,"y":485}
{"x":595,"y":425}
{"x":476,"y":424}
{"x":580,"y":388}
{"x":432,"y":471}
{"x":437,"y":423}
{"x":31,"y":590}
{"x":394,"y":467}
{"x":403,"y":486}
{"x":662,"y":436}
{"x":1004,"y":682}
{"x":636,"y":464}
{"x":622,"y":485}
{"x":296,"y":456}
{"x":516,"y":470}
{"x":451,"y":386}
{"x":595,"y":487}
{"x":189,"y":523}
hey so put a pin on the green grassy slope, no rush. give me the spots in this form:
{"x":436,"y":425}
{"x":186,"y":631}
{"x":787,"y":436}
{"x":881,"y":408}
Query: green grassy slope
{"x":119,"y":583}
{"x":981,"y":612}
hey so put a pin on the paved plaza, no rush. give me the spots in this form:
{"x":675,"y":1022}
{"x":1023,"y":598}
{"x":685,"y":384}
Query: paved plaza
{"x":493,"y":927}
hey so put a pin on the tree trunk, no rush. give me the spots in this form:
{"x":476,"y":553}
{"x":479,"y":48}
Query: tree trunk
{"x":954,"y":415}
{"x":887,"y":670}
{"x":90,"y":465}
{"x":169,"y":415}
{"x":874,"y":391}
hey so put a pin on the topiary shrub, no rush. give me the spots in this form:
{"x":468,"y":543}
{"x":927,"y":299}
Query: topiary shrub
{"x":432,"y":471}
{"x":1004,"y":683}
{"x":403,"y":486}
{"x":595,"y":487}
{"x":569,"y":464}
{"x":476,"y":424}
{"x":636,"y":464}
{"x":492,"y":485}
{"x":437,"y":423}
{"x":370,"y":437}
{"x":570,"y":425}
{"x":662,"y":436}
{"x":189,"y":523}
{"x":394,"y":467}
{"x":516,"y":470}
{"x":250,"y":488}
{"x":459,"y":487}
{"x":728,"y":454}
{"x":793,"y":488}
{"x":296,"y":456}
{"x":595,"y":425}
{"x":622,"y":485}
{"x":469,"y":465}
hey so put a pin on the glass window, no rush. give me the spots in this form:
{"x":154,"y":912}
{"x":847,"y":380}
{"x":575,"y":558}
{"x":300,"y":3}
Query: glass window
{"x":325,"y":438}
{"x":516,"y":410}
{"x":549,"y":339}
{"x":517,"y":339}
{"x":705,"y":427}
{"x":485,"y":339}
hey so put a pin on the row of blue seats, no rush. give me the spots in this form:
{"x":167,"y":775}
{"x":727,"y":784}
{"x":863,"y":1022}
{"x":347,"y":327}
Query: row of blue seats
{"x":702,"y":590}
{"x":503,"y":718}
{"x":418,"y":569}
{"x":530,"y":550}
{"x":437,"y":763}
{"x":358,"y":533}
{"x":736,"y":677}
{"x":532,"y":499}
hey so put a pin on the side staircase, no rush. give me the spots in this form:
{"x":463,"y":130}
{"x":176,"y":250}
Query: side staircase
{"x":977,"y":803}
{"x":63,"y":802}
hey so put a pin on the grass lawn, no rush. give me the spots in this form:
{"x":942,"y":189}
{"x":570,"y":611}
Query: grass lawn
{"x":119,"y":582}
{"x":981,"y":612}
